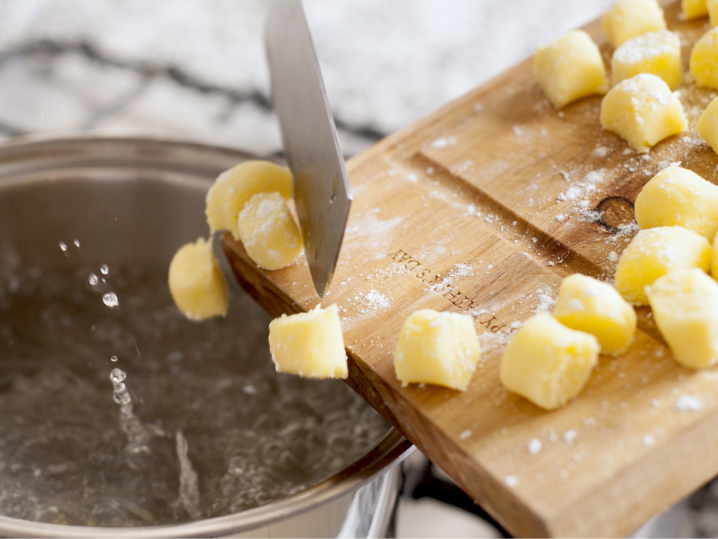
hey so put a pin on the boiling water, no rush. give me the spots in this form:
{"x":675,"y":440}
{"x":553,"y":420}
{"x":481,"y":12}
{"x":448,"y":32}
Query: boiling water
{"x":116,"y":411}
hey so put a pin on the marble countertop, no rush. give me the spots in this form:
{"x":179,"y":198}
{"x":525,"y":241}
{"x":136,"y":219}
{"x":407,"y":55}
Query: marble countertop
{"x":195,"y":69}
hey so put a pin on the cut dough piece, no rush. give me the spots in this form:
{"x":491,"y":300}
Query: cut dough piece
{"x":643,"y":111}
{"x":309,"y":344}
{"x":708,"y":125}
{"x":703,"y":64}
{"x":236,"y":186}
{"x":196,"y":282}
{"x":586,"y":304}
{"x":570,"y":68}
{"x":685,"y":307}
{"x":692,"y":9}
{"x":630,"y":18}
{"x":658,"y":53}
{"x":678,"y":197}
{"x":655,"y":252}
{"x":548,"y":363}
{"x":712,"y":6}
{"x":437,"y":348}
{"x":268,"y":231}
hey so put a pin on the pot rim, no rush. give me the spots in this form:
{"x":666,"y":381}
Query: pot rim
{"x":393,"y":447}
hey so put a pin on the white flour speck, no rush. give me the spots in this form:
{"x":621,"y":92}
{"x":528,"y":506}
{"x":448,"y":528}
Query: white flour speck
{"x":535,"y":446}
{"x":688,"y":403}
{"x":570,"y":436}
{"x":377,"y":300}
{"x":511,"y":481}
{"x":443,"y":142}
{"x":601,"y":151}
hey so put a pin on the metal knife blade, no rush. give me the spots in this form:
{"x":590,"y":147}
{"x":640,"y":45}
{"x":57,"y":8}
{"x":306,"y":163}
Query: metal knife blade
{"x":321,"y":187}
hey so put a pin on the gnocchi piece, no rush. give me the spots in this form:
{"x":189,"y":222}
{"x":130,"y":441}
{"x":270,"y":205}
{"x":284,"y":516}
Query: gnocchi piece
{"x":437,"y":348}
{"x":586,"y":304}
{"x":685,"y":307}
{"x":678,"y":197}
{"x":630,"y":18}
{"x":268,"y":231}
{"x":234,"y":187}
{"x":655,"y":252}
{"x":309,"y":344}
{"x":658,"y":53}
{"x":643,"y":111}
{"x":570,"y":68}
{"x":196,"y":282}
{"x":708,"y":125}
{"x":703,"y":65}
{"x":692,"y":9}
{"x":548,"y":363}
{"x":712,"y":6}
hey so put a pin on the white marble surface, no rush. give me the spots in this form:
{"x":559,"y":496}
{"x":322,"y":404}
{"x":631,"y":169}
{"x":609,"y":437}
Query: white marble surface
{"x":386,"y":64}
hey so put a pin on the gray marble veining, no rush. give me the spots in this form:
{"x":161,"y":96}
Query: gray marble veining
{"x":195,"y":68}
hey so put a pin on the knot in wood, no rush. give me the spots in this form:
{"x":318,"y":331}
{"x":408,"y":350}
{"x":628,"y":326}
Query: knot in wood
{"x":615,"y":213}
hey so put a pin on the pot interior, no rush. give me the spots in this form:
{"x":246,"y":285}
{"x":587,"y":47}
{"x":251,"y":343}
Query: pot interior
{"x":116,"y":411}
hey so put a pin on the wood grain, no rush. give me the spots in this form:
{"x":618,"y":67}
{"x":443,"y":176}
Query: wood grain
{"x":482,"y":208}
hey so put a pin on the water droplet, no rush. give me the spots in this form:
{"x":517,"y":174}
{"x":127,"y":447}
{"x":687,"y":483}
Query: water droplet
{"x":63,"y":246}
{"x":113,"y":358}
{"x":110,"y":299}
{"x":122,"y":397}
{"x":104,"y":269}
{"x":117,"y":376}
{"x":76,"y":242}
{"x":93,"y":279}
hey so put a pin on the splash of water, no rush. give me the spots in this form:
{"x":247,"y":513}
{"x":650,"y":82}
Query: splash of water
{"x":189,"y":486}
{"x":138,"y":436}
{"x":110,"y":299}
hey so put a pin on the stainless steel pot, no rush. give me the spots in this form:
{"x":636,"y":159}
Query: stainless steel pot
{"x":148,"y":186}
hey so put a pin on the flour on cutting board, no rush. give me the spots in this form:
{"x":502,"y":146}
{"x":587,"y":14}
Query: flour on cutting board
{"x":369,"y":225}
{"x":688,"y":403}
{"x":443,"y":142}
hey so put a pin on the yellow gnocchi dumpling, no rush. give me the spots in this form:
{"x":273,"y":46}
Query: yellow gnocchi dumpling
{"x":703,"y":65}
{"x":685,"y":307}
{"x":586,"y":304}
{"x":268,"y":232}
{"x":692,"y":9}
{"x":655,"y":252}
{"x":678,"y":197}
{"x":570,"y":68}
{"x":712,"y":6}
{"x":708,"y":125}
{"x":234,"y":187}
{"x":643,"y":111}
{"x":658,"y":53}
{"x":630,"y":18}
{"x":196,"y":282}
{"x":437,"y":348}
{"x":309,"y":344}
{"x":548,"y":363}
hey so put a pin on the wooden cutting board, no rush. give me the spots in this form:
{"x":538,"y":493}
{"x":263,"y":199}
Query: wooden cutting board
{"x":482,"y":208}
